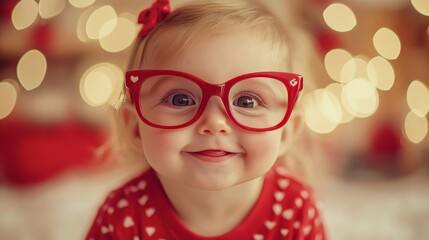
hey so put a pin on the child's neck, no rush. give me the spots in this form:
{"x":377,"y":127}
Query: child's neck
{"x":211,"y":213}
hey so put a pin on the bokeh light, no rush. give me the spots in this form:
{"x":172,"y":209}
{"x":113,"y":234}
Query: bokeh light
{"x":360,"y":98}
{"x":51,"y":8}
{"x":381,"y":73}
{"x":335,"y":61}
{"x":81,"y":25}
{"x":337,"y":89}
{"x":97,"y":87}
{"x":101,"y":83}
{"x":422,"y":6}
{"x":322,"y":112}
{"x":31,"y":69}
{"x":354,"y":68}
{"x":81,"y":3}
{"x":339,"y":17}
{"x":387,"y":43}
{"x":24,"y":14}
{"x":415,"y":127}
{"x":418,"y":98}
{"x":120,"y":38}
{"x":102,"y":18}
{"x":8,"y":97}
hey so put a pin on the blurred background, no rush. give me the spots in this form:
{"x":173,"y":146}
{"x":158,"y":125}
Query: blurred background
{"x":61,"y":69}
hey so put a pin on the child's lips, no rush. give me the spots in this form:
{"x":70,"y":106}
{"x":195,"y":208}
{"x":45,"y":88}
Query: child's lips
{"x":212,"y":155}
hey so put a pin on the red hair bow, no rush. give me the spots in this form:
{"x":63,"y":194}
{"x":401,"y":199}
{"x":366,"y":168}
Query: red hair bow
{"x":153,"y":15}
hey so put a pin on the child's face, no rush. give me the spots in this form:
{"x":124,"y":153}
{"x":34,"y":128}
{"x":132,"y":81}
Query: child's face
{"x":214,"y":153}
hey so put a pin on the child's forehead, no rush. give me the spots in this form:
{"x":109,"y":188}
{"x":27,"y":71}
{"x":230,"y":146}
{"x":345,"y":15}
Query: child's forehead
{"x":234,"y":52}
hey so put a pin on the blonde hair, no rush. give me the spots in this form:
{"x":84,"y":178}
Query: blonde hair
{"x":213,"y":17}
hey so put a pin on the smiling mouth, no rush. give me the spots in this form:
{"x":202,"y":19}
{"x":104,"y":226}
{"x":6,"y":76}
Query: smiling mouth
{"x":212,"y":155}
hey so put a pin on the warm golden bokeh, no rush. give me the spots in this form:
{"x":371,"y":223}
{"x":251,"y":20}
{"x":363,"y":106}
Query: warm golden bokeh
{"x":339,"y":17}
{"x":381,"y":73}
{"x":387,"y":43}
{"x":418,"y":98}
{"x":100,"y":84}
{"x":422,"y":6}
{"x":416,"y":127}
{"x":31,"y":69}
{"x":81,"y":3}
{"x":101,"y":22}
{"x":24,"y":14}
{"x":8,"y":97}
{"x":51,"y":8}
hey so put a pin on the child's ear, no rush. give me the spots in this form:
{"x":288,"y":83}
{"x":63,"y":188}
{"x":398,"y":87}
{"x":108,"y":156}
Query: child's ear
{"x":291,"y":132}
{"x":129,"y":124}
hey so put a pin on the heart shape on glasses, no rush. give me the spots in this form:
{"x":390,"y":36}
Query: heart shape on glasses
{"x":134,"y":79}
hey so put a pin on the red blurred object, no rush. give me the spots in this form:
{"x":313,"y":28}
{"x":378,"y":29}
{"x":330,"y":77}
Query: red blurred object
{"x":6,"y":8}
{"x":321,"y":2}
{"x":42,"y":37}
{"x":31,"y":153}
{"x":385,"y":147}
{"x":327,"y":40}
{"x":386,"y":140}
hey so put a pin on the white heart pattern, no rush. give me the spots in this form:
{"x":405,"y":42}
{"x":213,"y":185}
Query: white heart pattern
{"x":110,"y":210}
{"x":307,"y":230}
{"x":282,"y":171}
{"x":298,"y":202}
{"x":150,"y":231}
{"x":277,"y":208}
{"x":128,"y":222}
{"x":283,"y":183}
{"x":150,"y":212}
{"x":142,"y":185}
{"x":270,"y":224}
{"x":288,"y":214}
{"x":311,"y":213}
{"x":134,"y":79}
{"x":133,"y":189}
{"x":279,"y":196}
{"x":293,"y":82}
{"x":284,"y":232}
{"x":104,"y":230}
{"x":143,"y":200}
{"x":258,"y":237}
{"x":304,"y":194}
{"x":122,"y":203}
{"x":297,"y":224}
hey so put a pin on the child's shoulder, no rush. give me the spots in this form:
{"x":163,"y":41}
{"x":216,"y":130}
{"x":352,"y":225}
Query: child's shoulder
{"x":283,"y":179}
{"x":129,"y":196}
{"x":137,"y":184}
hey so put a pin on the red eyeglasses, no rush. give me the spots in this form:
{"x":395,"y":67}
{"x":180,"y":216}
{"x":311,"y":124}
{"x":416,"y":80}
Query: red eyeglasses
{"x":259,"y":101}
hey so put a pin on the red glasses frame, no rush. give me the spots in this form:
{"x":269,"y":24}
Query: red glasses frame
{"x":293,"y":82}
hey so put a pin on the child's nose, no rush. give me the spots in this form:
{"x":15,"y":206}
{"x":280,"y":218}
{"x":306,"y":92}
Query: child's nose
{"x":214,"y":119}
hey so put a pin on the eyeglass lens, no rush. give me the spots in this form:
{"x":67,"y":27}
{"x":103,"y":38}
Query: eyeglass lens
{"x":258,"y":102}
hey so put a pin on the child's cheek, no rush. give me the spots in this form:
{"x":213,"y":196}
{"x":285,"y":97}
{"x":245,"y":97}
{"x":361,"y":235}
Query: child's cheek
{"x":162,"y":143}
{"x":262,"y":145}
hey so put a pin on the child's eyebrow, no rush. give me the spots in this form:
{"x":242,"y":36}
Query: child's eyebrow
{"x":154,"y":86}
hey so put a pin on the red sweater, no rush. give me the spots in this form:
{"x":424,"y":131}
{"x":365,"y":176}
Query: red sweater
{"x":141,"y":210}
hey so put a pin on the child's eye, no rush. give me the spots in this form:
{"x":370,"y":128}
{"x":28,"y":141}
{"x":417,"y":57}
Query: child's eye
{"x":179,"y":99}
{"x":247,"y":101}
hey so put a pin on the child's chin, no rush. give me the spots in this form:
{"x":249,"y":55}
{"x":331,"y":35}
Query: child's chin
{"x":220,"y":184}
{"x":212,"y":184}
